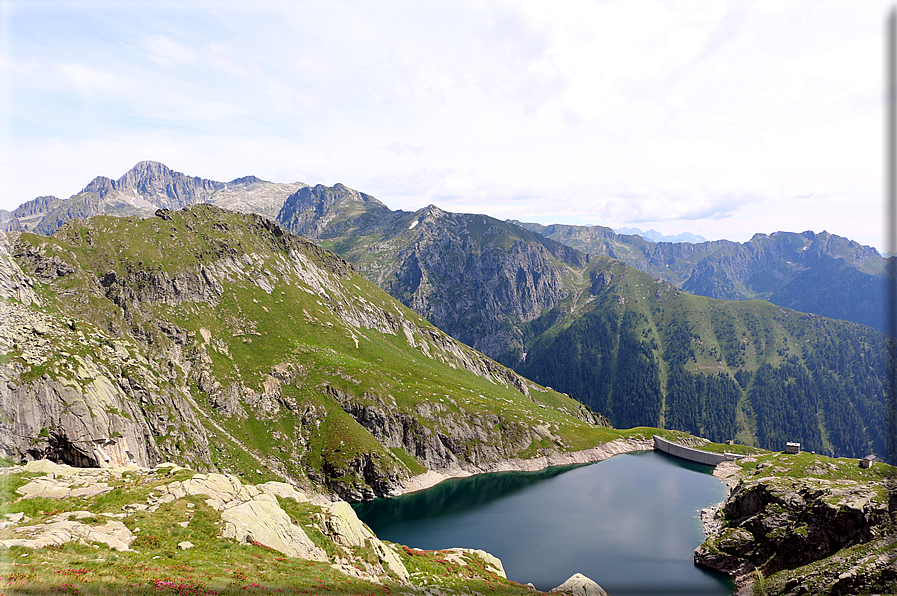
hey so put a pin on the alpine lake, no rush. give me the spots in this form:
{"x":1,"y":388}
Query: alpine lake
{"x":630,"y":523}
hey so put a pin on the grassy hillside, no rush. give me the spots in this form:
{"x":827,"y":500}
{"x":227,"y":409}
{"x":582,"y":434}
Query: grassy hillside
{"x":278,"y":359}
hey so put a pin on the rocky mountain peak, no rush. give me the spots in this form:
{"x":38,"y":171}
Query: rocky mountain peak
{"x":246,"y":181}
{"x":101,"y":185}
{"x":164,"y":187}
{"x":433,"y":212}
{"x":36,"y":206}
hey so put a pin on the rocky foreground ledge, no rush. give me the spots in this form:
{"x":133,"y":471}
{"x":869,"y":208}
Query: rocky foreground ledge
{"x":804,"y":524}
{"x":132,"y":530}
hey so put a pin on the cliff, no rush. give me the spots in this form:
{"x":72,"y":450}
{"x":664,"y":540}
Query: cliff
{"x":806,"y":524}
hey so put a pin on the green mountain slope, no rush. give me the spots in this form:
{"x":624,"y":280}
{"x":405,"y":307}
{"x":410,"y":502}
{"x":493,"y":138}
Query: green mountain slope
{"x":475,"y":277}
{"x":499,"y":288}
{"x":643,"y":352}
{"x":214,"y":338}
{"x":820,"y":273}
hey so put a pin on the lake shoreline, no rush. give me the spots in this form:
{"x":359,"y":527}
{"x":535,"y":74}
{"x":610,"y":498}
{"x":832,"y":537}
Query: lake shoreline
{"x":627,"y":491}
{"x":604,"y":451}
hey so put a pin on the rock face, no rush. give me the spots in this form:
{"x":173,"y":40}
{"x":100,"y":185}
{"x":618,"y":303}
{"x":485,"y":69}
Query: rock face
{"x":93,"y":407}
{"x":13,"y":282}
{"x":250,"y":513}
{"x":772,"y":524}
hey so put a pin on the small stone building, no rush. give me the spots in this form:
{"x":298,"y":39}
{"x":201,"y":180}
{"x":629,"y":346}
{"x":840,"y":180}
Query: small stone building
{"x":792,"y":447}
{"x":867,"y":461}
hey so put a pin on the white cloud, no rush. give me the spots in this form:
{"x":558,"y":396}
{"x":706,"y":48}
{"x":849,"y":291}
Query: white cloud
{"x":168,"y":52}
{"x":93,"y":82}
{"x":713,"y":116}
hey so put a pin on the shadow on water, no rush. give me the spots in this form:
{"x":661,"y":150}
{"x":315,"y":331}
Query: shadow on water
{"x":451,"y":497}
{"x":684,"y":463}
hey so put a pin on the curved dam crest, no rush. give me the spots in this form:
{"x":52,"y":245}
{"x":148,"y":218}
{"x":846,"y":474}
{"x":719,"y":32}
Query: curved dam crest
{"x":691,"y":454}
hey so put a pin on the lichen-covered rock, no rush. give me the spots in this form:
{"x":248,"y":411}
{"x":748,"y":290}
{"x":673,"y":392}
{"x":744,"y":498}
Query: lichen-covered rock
{"x":493,"y":564}
{"x":343,"y":526}
{"x":283,"y":490}
{"x":262,"y":520}
{"x":113,"y":534}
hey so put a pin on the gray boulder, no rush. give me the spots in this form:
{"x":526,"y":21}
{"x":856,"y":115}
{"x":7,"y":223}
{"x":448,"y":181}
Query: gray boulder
{"x":580,"y":585}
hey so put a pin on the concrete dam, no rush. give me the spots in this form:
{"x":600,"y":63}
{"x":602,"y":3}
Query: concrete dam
{"x":691,"y":454}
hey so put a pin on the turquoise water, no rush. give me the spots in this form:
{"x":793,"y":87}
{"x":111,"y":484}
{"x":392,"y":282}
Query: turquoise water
{"x":630,"y":523}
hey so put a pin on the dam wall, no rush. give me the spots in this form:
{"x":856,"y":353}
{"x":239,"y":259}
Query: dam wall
{"x":695,"y":455}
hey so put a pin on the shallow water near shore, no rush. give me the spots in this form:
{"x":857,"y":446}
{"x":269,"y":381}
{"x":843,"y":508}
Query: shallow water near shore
{"x":631,"y":523}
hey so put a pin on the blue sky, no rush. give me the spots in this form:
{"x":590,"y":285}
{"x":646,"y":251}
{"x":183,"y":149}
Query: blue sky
{"x":719,"y":118}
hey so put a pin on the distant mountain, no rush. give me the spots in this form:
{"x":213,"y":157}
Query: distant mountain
{"x":656,"y":236}
{"x":820,"y":273}
{"x":144,"y":188}
{"x":642,"y":352}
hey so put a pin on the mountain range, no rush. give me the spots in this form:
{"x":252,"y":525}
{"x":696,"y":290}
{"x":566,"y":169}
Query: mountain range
{"x":656,"y":236}
{"x":573,"y":307}
{"x":820,"y":273}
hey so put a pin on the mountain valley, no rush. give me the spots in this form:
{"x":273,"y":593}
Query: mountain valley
{"x":268,"y":370}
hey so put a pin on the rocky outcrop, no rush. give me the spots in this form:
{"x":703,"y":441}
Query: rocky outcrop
{"x":13,"y":281}
{"x":60,"y":530}
{"x":250,"y":514}
{"x":261,"y":520}
{"x":770,"y":524}
{"x":448,"y":442}
{"x":344,"y":527}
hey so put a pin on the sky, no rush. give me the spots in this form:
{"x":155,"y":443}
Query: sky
{"x":718,"y":118}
